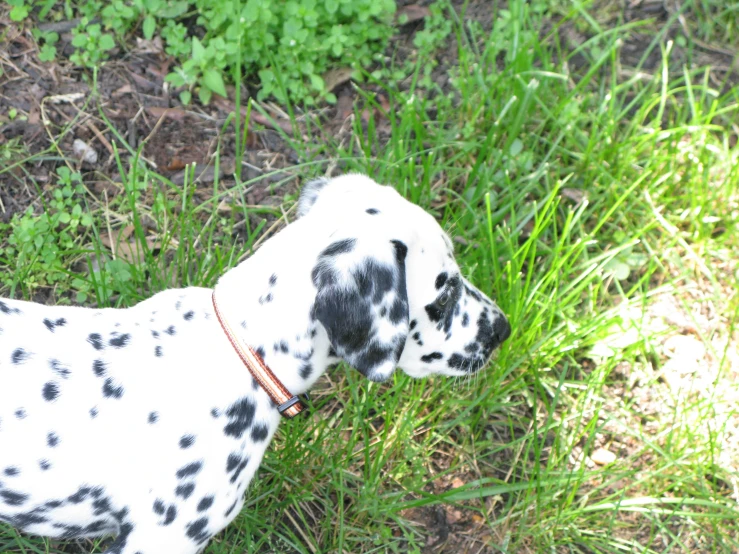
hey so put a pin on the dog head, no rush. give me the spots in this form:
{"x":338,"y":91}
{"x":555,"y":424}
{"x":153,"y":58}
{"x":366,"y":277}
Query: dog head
{"x":388,"y":290}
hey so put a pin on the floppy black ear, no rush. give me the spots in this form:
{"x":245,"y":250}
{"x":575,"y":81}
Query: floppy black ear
{"x":309,"y":195}
{"x":362,"y":302}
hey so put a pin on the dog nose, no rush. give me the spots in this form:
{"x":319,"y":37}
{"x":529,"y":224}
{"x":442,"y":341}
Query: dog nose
{"x":502,"y":329}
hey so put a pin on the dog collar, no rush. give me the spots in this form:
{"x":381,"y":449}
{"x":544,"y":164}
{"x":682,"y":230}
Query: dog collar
{"x":287,"y":404}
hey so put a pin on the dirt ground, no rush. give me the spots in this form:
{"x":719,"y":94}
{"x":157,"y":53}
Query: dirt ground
{"x":132,"y":95}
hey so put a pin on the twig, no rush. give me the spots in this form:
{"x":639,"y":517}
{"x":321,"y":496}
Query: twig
{"x":90,"y":125}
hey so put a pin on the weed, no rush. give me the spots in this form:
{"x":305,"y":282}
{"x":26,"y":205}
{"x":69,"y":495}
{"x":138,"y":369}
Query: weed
{"x":289,"y":46}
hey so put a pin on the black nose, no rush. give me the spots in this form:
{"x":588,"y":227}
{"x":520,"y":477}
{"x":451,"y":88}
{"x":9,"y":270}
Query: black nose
{"x":501,"y":328}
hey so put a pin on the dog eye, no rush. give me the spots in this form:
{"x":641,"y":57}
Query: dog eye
{"x":444,"y":298}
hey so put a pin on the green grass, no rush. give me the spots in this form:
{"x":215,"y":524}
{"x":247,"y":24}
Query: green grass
{"x":579,"y":201}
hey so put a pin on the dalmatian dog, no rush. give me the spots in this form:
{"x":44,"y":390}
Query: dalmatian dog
{"x":143,"y":423}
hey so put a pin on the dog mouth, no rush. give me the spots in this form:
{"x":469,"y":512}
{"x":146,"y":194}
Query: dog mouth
{"x":468,"y":364}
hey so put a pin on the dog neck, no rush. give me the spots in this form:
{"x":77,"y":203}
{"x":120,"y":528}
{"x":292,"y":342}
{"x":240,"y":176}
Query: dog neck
{"x":269,"y":309}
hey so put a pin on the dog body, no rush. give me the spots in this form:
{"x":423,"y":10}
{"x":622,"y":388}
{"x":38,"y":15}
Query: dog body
{"x":144,"y":423}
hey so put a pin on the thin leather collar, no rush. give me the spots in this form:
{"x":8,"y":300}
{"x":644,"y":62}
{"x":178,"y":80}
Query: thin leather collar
{"x":287,"y":404}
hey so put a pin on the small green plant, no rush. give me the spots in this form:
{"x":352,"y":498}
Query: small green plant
{"x":92,"y":44}
{"x":37,"y":241}
{"x":288,"y":46}
{"x":20,"y":9}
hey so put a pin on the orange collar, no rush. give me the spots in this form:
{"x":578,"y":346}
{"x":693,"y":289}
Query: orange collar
{"x":287,"y":404}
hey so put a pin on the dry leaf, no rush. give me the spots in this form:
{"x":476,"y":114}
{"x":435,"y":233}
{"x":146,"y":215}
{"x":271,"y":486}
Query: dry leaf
{"x":335,"y":77}
{"x":453,"y":516}
{"x":412,"y":13}
{"x":177,"y":114}
{"x":153,"y":46}
{"x":120,"y":91}
{"x":124,"y":245}
{"x":576,"y":195}
{"x":344,"y":106}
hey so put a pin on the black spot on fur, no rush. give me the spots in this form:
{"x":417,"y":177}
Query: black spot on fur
{"x":189,"y":470}
{"x":465,"y":319}
{"x":120,"y":341}
{"x":51,"y":325}
{"x":472,"y":347}
{"x":159,"y":507}
{"x":111,"y":390}
{"x":97,"y":527}
{"x":155,"y":334}
{"x":197,"y":530}
{"x":473,"y":293}
{"x":216,"y":413}
{"x":44,"y":465}
{"x":11,"y":471}
{"x":232,"y":462}
{"x":441,"y":279}
{"x":170,"y":330}
{"x":153,"y":417}
{"x":18,"y":356}
{"x":52,"y":440}
{"x":4,"y":308}
{"x":189,"y":315}
{"x":100,"y":506}
{"x":51,"y":391}
{"x":374,"y":280}
{"x":241,"y":416}
{"x":158,"y":351}
{"x":434,"y":312}
{"x":239,"y":469}
{"x":187,"y":441}
{"x":431,"y":357}
{"x":273,"y":280}
{"x":413,"y":324}
{"x":80,"y":496}
{"x":93,"y":413}
{"x":231,"y":508}
{"x":12,"y":498}
{"x":372,"y":211}
{"x":96,"y":341}
{"x":375,"y":354}
{"x":399,"y":311}
{"x":339,"y":247}
{"x":205,"y":503}
{"x":185,"y":490}
{"x":20,"y":413}
{"x":24,"y":520}
{"x":305,"y":370}
{"x":98,"y":367}
{"x":59,"y":368}
{"x":171,"y":515}
{"x":259,"y":432}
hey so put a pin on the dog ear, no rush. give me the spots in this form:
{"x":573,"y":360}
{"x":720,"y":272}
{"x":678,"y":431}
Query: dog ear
{"x":362,"y":302}
{"x":309,"y":195}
